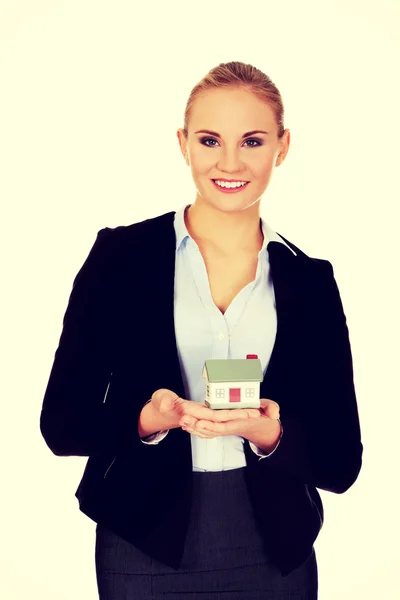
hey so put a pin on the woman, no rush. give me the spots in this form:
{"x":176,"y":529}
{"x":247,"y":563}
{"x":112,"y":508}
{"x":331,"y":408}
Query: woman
{"x":191,"y":501}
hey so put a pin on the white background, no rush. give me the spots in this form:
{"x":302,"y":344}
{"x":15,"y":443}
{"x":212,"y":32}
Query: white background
{"x":91,"y":96}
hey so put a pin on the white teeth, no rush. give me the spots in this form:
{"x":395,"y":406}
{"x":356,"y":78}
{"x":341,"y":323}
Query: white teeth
{"x":229,"y":184}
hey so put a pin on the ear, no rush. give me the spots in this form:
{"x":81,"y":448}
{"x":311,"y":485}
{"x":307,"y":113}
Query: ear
{"x":183,"y":144}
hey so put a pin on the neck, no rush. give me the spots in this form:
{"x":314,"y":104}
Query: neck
{"x":227,"y":233}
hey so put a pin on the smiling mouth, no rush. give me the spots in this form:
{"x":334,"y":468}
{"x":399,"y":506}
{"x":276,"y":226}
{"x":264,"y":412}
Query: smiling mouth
{"x":231,"y":181}
{"x":230,"y":189}
{"x":231,"y":185}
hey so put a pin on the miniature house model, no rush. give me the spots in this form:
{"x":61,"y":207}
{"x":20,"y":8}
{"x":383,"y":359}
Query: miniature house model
{"x":232,"y":382}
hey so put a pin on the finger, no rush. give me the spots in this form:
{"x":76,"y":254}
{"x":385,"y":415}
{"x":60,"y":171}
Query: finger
{"x":273,"y":412}
{"x":167,"y":400}
{"x":166,"y":404}
{"x":270,"y":408}
{"x":236,"y":413}
{"x":200,"y":433}
{"x":199,"y":410}
{"x":207,"y":426}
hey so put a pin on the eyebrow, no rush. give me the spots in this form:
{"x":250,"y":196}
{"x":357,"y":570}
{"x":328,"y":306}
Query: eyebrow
{"x":243,"y":136}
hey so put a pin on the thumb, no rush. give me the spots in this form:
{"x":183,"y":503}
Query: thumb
{"x":270,"y":408}
{"x":168,"y":400}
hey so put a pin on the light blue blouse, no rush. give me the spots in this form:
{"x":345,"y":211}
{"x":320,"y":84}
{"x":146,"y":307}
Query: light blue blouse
{"x":202,"y":332}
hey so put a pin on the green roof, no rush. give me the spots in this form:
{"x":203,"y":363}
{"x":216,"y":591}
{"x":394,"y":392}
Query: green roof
{"x":233,"y":369}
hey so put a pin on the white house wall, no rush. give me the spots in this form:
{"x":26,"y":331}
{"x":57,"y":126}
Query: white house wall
{"x":255,"y":385}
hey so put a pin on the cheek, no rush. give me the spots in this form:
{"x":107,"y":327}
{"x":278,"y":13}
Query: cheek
{"x":263,"y":166}
{"x":200,"y":159}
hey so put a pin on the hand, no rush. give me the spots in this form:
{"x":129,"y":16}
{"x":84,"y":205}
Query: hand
{"x":209,"y":428}
{"x":178,"y":410}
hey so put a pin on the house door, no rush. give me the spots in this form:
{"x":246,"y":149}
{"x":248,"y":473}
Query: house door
{"x":234,"y":394}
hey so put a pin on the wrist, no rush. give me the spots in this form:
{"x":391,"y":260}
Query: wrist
{"x":151,"y":420}
{"x":267,"y":435}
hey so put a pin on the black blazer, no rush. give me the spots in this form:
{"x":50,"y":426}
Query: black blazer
{"x":118,"y":346}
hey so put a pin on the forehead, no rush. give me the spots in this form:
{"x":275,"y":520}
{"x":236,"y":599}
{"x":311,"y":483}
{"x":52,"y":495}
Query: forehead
{"x":234,"y":107}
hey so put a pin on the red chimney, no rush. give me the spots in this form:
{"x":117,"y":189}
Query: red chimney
{"x":251,"y":356}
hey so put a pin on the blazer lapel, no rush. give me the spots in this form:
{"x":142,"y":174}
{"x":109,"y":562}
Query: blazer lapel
{"x":285,"y":273}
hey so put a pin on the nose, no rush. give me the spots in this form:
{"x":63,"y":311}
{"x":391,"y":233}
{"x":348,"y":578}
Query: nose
{"x":229,"y":161}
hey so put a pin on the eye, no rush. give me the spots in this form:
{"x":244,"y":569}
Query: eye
{"x":257,"y":140}
{"x":204,"y":140}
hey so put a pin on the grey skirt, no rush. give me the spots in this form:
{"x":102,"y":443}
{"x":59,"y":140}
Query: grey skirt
{"x":224,"y":556}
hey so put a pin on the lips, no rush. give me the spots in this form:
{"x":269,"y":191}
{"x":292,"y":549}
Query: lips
{"x":225,"y":190}
{"x":229,"y":180}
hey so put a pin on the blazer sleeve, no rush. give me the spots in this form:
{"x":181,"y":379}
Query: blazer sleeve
{"x":75,"y":417}
{"x":322,"y":441}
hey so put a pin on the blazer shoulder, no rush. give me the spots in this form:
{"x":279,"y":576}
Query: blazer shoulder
{"x":322,"y":264}
{"x":141,"y":231}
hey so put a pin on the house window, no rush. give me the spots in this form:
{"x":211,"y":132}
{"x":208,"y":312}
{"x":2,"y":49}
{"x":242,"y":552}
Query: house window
{"x":220,"y":393}
{"x":249,"y":392}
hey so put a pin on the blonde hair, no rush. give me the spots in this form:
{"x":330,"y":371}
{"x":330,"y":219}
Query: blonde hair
{"x":239,"y":75}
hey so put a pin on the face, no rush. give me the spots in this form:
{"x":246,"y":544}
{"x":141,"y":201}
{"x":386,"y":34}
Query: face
{"x":231,"y":113}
